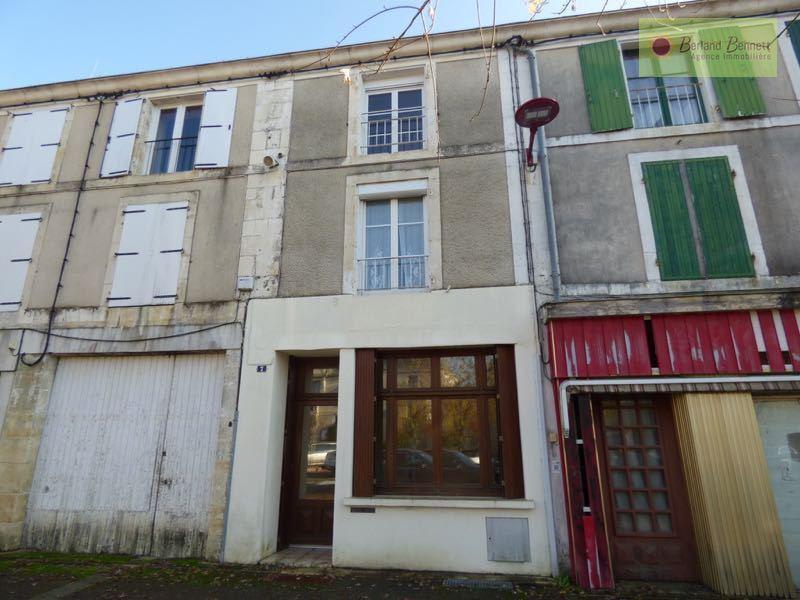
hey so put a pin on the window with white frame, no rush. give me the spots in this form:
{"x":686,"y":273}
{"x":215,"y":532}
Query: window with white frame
{"x":184,"y":134}
{"x":663,"y":101}
{"x":394,"y":120}
{"x":29,"y":151}
{"x":172,"y":147}
{"x":394,"y":245}
{"x":148,"y":260}
{"x":17,"y":237}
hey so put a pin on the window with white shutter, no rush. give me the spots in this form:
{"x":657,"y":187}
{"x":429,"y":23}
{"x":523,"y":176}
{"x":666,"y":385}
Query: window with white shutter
{"x":121,"y":138}
{"x":30,"y":150}
{"x":148,"y":259}
{"x":216,"y":126}
{"x":17,"y":237}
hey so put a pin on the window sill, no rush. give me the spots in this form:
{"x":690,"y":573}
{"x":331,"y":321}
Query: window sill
{"x":430,"y":502}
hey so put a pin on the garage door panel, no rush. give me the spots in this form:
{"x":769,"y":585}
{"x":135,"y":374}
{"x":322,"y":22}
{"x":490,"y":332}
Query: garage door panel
{"x":103,"y":425}
{"x":188,"y":467}
{"x":116,"y":428}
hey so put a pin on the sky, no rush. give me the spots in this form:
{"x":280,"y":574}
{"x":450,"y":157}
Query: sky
{"x":46,"y":41}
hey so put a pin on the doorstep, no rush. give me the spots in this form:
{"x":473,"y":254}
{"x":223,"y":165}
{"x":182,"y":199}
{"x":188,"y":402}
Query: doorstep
{"x":320,"y":557}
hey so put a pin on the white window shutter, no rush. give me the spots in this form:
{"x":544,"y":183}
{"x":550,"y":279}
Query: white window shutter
{"x":47,"y":137}
{"x":133,"y":272}
{"x":168,"y":251}
{"x":121,"y":138}
{"x":13,"y":160}
{"x":216,"y":126}
{"x":17,"y":237}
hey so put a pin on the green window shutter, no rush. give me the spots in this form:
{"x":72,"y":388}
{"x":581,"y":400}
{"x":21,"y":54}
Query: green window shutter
{"x":677,"y":251}
{"x":606,"y":88}
{"x":737,"y":89}
{"x":719,"y":220}
{"x":794,"y":35}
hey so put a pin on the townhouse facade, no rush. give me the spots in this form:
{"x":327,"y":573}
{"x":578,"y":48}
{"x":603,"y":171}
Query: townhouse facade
{"x":320,"y":299}
{"x":673,"y":334}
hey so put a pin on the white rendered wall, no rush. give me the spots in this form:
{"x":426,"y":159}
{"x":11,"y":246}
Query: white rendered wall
{"x":448,"y":536}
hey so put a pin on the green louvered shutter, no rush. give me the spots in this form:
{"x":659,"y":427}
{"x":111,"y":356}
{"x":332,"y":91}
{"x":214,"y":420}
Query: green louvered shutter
{"x":719,"y":220}
{"x":677,"y":252}
{"x":737,"y":89}
{"x":794,"y":35}
{"x":606,"y":90}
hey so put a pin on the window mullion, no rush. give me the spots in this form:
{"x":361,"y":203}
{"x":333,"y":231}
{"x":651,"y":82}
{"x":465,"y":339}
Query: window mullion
{"x":395,"y":121}
{"x":663,"y":100}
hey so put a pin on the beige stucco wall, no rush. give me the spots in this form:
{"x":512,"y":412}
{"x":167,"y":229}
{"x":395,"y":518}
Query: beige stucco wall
{"x":462,"y":120}
{"x":598,"y":233}
{"x":319,"y":118}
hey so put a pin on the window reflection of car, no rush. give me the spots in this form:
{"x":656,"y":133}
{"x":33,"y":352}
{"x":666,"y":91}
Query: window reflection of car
{"x":414,"y":466}
{"x":460,"y":468}
{"x":317,"y":457}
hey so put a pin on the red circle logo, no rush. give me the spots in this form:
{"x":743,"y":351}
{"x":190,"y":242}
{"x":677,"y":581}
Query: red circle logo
{"x":661,"y":46}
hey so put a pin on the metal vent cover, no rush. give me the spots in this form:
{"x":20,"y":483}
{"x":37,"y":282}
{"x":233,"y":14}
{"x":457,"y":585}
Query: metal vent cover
{"x":508,"y":539}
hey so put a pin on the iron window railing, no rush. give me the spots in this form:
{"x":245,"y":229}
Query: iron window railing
{"x":393,"y":273}
{"x":665,"y":105}
{"x":398,"y":130}
{"x":170,"y":155}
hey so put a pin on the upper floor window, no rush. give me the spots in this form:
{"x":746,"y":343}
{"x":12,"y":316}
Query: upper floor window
{"x":175,"y":142}
{"x":394,"y":121}
{"x":194,"y":133}
{"x":394,"y":245}
{"x":663,"y":101}
{"x":148,"y":261}
{"x":29,"y":151}
{"x":697,"y":221}
{"x":17,"y":237}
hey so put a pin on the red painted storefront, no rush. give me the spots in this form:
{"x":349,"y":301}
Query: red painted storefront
{"x":646,"y":352}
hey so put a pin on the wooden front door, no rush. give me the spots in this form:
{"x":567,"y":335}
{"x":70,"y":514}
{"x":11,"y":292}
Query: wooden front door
{"x":647,"y":507}
{"x":309,"y":471}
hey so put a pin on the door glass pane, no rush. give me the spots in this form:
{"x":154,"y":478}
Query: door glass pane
{"x":318,"y":453}
{"x":410,"y":122}
{"x":413,"y":458}
{"x":323,"y":380}
{"x":457,"y":371}
{"x":491,"y":380}
{"x":413,"y":373}
{"x":160,"y":147}
{"x":188,"y":141}
{"x":461,"y":463}
{"x":379,"y":123}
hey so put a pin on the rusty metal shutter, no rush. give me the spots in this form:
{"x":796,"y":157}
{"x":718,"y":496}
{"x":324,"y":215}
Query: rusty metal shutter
{"x":606,"y":88}
{"x":509,"y":423}
{"x":677,"y":253}
{"x":724,"y":241}
{"x":737,"y":89}
{"x":364,"y":425}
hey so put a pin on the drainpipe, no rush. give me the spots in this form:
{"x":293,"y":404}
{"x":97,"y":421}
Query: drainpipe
{"x":544,"y":167}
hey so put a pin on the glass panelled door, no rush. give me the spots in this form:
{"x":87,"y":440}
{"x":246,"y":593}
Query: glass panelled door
{"x":647,"y":515}
{"x":310,"y":454}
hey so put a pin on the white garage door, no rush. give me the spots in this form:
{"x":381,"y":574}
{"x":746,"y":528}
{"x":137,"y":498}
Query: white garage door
{"x":127,"y":456}
{"x":779,"y":421}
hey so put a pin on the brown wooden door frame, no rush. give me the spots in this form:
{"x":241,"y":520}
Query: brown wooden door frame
{"x":676,"y":483}
{"x":296,"y":400}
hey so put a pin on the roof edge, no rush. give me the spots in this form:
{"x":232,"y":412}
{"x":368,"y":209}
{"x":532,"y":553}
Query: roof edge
{"x":326,"y":58}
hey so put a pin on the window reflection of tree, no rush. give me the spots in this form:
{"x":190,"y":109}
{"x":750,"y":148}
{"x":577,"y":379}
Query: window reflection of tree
{"x":457,"y":371}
